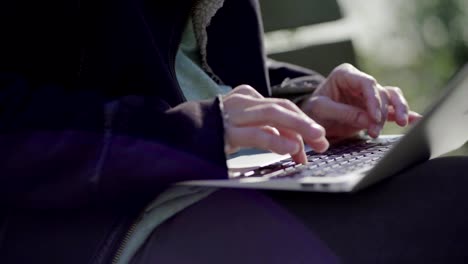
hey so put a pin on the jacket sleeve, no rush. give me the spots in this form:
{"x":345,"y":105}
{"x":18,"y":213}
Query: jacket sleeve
{"x":278,"y":71}
{"x":292,"y":81}
{"x":63,"y":149}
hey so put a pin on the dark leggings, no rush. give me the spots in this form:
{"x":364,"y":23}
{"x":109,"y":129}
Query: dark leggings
{"x":419,"y":216}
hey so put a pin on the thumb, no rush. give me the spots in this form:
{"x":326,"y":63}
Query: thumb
{"x":327,"y":110}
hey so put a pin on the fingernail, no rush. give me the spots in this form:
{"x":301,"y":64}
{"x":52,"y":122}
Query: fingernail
{"x":378,"y":116}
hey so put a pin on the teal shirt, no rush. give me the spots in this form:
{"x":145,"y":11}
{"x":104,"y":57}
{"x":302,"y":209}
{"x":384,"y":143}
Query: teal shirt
{"x":194,"y":82}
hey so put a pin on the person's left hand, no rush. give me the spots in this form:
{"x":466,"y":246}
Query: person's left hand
{"x":349,"y":101}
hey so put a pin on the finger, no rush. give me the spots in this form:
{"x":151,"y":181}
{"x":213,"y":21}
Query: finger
{"x":320,"y":145}
{"x":412,"y":116}
{"x":271,"y":130}
{"x":400,"y":105}
{"x":277,"y":116}
{"x":325,"y":109}
{"x":300,"y":156}
{"x":361,"y":84}
{"x":238,"y":102}
{"x":261,"y":138}
{"x":391,"y":114}
{"x":375,"y":128}
{"x":243,"y":102}
{"x":246,"y":90}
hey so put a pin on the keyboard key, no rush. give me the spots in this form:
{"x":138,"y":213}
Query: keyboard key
{"x":338,"y":160}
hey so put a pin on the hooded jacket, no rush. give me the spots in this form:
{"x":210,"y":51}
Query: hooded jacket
{"x":90,"y":108}
{"x":92,"y":117}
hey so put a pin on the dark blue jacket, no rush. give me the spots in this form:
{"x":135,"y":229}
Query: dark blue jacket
{"x":91,"y":113}
{"x":90,"y":108}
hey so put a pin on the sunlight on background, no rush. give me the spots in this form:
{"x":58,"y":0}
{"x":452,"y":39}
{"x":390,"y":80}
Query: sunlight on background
{"x":414,"y":44}
{"x":375,"y":30}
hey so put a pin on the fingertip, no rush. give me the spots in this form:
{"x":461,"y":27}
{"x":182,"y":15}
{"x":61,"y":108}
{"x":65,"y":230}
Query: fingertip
{"x":374,"y":130}
{"x":415,"y":116}
{"x":321,"y":145}
{"x":320,"y":130}
{"x":372,"y":134}
{"x":300,"y":158}
{"x":324,"y":147}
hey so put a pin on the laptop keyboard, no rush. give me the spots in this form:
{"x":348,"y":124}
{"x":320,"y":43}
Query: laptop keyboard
{"x":338,"y":160}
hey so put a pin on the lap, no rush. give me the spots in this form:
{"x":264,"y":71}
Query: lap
{"x":234,"y":226}
{"x":419,"y":215}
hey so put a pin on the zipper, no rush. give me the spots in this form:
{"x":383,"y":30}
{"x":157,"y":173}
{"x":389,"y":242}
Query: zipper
{"x":131,"y":230}
{"x":127,"y":236}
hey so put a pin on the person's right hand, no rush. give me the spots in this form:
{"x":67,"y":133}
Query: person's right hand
{"x":271,"y":124}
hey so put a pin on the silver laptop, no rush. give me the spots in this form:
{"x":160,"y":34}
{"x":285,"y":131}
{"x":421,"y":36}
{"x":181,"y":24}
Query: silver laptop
{"x":357,"y":163}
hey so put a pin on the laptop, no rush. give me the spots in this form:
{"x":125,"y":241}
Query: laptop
{"x":357,"y":163}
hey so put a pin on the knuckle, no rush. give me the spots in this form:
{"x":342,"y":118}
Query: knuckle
{"x":346,"y":66}
{"x":244,"y":88}
{"x":316,"y":99}
{"x":272,"y":110}
{"x":242,"y":97}
{"x":371,"y":81}
{"x":287,"y":103}
{"x":343,"y":68}
{"x":234,"y":99}
{"x":397,"y":90}
{"x":315,"y":104}
{"x":304,"y":126}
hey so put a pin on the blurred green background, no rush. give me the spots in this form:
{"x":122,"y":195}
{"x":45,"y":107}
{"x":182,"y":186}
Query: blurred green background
{"x":414,"y":44}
